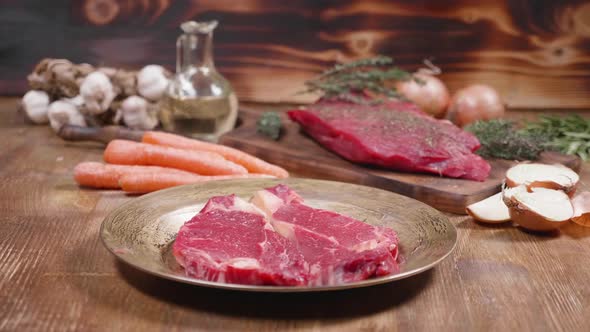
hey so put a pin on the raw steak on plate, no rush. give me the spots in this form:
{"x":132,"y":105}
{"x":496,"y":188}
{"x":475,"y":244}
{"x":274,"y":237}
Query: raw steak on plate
{"x":337,"y":248}
{"x":278,"y":240}
{"x":230,"y":241}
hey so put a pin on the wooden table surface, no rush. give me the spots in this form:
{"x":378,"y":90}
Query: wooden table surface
{"x":56,"y":275}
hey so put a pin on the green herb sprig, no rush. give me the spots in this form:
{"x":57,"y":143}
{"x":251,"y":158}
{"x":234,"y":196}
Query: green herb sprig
{"x":348,"y":81}
{"x":269,"y":124}
{"x":500,"y":139}
{"x":569,"y":134}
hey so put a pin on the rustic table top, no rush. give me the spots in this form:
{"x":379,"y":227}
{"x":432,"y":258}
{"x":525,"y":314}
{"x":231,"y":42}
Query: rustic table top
{"x":56,"y":275}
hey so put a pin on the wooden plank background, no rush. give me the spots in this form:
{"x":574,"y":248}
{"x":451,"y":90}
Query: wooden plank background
{"x":535,"y":52}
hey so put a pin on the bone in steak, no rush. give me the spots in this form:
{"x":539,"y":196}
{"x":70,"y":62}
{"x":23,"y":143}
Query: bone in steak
{"x":337,"y":248}
{"x":278,"y":240}
{"x":394,"y":135}
{"x":230,"y":241}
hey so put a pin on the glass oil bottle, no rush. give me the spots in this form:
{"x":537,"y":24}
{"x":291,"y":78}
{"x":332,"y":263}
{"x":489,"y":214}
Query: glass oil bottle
{"x":199,"y":102}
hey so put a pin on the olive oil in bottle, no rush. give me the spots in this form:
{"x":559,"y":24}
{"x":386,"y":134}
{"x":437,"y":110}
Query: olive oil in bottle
{"x":204,"y":118}
{"x":199,"y":102}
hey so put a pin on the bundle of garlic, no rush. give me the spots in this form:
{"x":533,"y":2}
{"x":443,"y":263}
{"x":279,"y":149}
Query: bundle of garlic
{"x":66,"y":93}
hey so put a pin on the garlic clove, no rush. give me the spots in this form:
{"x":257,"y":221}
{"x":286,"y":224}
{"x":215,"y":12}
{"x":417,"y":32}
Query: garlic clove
{"x":63,"y":112}
{"x":77,"y":101}
{"x":97,"y":92}
{"x":35,"y":103}
{"x":152,"y":82}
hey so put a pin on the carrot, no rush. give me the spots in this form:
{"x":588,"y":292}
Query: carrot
{"x":140,"y":183}
{"x":251,"y":163}
{"x":205,"y":163}
{"x":98,"y":175}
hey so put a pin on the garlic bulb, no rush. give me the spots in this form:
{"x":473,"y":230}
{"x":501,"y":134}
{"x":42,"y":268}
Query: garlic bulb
{"x":138,"y":113}
{"x":77,"y":101}
{"x":63,"y":112}
{"x":35,"y":103}
{"x":152,"y":82}
{"x":97,"y":92}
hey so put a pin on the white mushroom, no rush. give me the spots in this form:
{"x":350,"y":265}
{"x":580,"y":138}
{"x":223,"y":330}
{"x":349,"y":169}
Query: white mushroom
{"x":138,"y":113}
{"x":97,"y":92}
{"x":63,"y":112}
{"x":35,"y":104}
{"x":152,"y":82}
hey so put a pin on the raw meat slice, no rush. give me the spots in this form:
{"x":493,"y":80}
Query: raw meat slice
{"x":394,"y":135}
{"x":338,"y":249}
{"x":230,"y":241}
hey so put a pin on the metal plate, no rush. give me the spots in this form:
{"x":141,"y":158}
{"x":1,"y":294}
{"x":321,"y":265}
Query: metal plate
{"x":141,"y":232}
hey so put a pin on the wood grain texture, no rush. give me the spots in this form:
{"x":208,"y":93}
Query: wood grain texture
{"x":299,"y":153}
{"x":56,"y":275}
{"x":536,"y":53}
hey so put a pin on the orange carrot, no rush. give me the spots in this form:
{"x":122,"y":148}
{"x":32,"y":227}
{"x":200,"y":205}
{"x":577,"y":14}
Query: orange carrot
{"x":140,"y":183}
{"x":98,"y":175}
{"x":253,"y":164}
{"x":205,"y":163}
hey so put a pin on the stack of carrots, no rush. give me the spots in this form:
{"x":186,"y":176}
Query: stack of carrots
{"x":164,"y":160}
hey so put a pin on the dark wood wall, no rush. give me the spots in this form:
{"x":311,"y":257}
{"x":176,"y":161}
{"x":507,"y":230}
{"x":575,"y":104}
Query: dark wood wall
{"x":536,"y":52}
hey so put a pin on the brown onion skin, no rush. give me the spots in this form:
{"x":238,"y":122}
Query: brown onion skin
{"x":581,"y":205}
{"x":531,"y":220}
{"x":431,"y":97}
{"x":473,"y":103}
{"x":583,"y":220}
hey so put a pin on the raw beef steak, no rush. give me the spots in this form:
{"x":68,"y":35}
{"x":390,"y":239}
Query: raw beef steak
{"x":338,"y":249}
{"x":230,"y":241}
{"x":394,"y":135}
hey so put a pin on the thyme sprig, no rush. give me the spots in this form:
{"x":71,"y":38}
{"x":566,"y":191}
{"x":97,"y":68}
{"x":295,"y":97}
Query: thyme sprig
{"x":350,"y":81}
{"x":500,"y":139}
{"x":503,"y":139}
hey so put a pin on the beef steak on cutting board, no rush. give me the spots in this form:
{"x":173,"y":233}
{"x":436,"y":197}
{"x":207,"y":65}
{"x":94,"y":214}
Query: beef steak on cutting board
{"x":304,"y":157}
{"x":394,"y":135}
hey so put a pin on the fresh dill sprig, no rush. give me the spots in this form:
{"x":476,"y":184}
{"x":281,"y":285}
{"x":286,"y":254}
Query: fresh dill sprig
{"x":351,"y":80}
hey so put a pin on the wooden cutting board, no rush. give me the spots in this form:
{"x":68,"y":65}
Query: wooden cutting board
{"x":301,"y":155}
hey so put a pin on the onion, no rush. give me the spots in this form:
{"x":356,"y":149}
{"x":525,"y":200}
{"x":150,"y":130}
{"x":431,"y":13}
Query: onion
{"x":538,"y":209}
{"x":475,"y":102}
{"x":582,"y":209}
{"x":491,"y":210}
{"x":430,"y":95}
{"x":556,"y":177}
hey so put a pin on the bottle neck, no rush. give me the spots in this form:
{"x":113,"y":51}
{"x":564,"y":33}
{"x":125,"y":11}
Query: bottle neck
{"x":194,"y":50}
